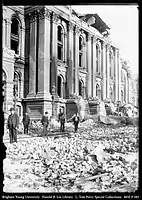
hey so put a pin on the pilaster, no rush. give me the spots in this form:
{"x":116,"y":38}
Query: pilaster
{"x":89,"y":63}
{"x":116,"y":74}
{"x":54,"y":22}
{"x":44,"y":53}
{"x":104,"y":70}
{"x":70,"y":75}
{"x":94,"y":66}
{"x":77,"y":31}
{"x":32,"y":60}
{"x":108,"y":64}
{"x":8,"y":38}
{"x":3,"y":29}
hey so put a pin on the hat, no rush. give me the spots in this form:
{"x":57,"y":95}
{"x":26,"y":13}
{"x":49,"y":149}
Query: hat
{"x":12,"y":109}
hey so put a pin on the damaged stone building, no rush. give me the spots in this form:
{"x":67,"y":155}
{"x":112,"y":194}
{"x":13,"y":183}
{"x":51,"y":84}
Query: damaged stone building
{"x":51,"y":53}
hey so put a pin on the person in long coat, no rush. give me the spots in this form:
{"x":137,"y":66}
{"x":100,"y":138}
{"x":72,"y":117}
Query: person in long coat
{"x":61,"y":119}
{"x":12,"y":125}
{"x":45,"y":122}
{"x":26,"y":122}
{"x":76,"y":120}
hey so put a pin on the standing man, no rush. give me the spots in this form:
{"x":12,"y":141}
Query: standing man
{"x":12,"y":125}
{"x":45,"y":122}
{"x":26,"y":122}
{"x":61,"y":118}
{"x":76,"y":120}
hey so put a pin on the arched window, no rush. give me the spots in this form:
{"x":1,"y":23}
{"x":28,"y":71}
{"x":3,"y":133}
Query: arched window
{"x":80,"y":51}
{"x":15,"y":35}
{"x":59,"y":87}
{"x":16,"y":89}
{"x":60,"y":42}
{"x":98,"y":91}
{"x":97,"y":59}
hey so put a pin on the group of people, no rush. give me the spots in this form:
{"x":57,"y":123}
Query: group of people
{"x":13,"y":123}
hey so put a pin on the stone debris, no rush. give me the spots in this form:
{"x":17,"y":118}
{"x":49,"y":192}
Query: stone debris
{"x":94,"y":159}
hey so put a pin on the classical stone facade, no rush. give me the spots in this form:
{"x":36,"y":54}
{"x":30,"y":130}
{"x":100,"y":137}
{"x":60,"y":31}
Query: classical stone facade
{"x":51,"y":53}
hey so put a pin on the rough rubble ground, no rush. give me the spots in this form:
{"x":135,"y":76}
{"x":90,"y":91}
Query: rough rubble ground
{"x":96,"y":159}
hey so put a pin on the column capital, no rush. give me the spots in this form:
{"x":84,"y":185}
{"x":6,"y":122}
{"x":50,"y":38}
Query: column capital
{"x":104,"y":44}
{"x":89,"y":37}
{"x":94,"y":39}
{"x":44,"y":13}
{"x":33,"y":16}
{"x":70,"y":26}
{"x":108,"y":46}
{"x":77,"y":30}
{"x":55,"y":17}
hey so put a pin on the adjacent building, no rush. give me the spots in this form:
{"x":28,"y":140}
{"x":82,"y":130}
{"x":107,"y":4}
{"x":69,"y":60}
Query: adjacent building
{"x":51,"y":53}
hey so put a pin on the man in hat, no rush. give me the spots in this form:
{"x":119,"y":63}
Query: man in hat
{"x":45,"y":122}
{"x":26,"y":122}
{"x":12,"y":125}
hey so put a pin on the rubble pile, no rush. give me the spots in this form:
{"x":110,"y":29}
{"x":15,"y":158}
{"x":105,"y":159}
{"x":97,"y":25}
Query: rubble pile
{"x":96,"y":159}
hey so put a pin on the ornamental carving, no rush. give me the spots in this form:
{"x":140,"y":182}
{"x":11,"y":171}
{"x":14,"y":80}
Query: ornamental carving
{"x":77,"y":30}
{"x":55,"y":17}
{"x":70,"y":26}
{"x":44,"y":13}
{"x":89,"y":37}
{"x":94,"y":39}
{"x":33,"y":16}
{"x":104,"y":45}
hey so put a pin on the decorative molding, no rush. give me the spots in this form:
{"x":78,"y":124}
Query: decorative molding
{"x":77,"y":30}
{"x":44,"y":13}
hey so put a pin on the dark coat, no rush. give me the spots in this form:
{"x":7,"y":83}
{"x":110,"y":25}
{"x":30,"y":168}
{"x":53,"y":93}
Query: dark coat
{"x":76,"y":119}
{"x":45,"y":119}
{"x":26,"y":120}
{"x":61,"y":117}
{"x":13,"y":121}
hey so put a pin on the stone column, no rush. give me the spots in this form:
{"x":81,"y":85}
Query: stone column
{"x":32,"y":60}
{"x":104,"y":70}
{"x":70,"y":77}
{"x":116,"y":74}
{"x":8,"y":34}
{"x":44,"y":53}
{"x":55,"y":19}
{"x":108,"y":74}
{"x":89,"y":63}
{"x":77,"y":31}
{"x":126,"y":89}
{"x":94,"y":66}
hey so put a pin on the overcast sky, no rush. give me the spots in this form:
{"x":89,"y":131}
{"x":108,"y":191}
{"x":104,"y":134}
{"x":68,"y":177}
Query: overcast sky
{"x":123,"y":21}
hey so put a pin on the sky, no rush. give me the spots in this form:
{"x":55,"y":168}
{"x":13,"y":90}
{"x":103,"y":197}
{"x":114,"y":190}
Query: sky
{"x":123,"y":23}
